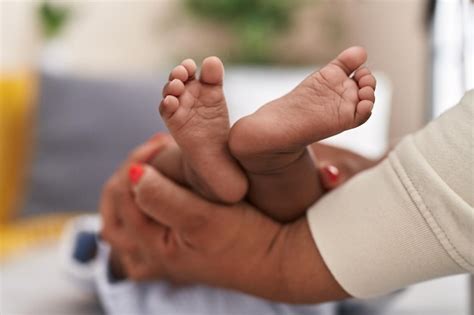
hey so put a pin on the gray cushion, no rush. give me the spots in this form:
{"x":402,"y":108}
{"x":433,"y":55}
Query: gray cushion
{"x":85,"y":128}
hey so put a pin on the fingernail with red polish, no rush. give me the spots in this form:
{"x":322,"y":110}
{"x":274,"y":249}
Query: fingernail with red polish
{"x":135,"y":173}
{"x":332,"y":173}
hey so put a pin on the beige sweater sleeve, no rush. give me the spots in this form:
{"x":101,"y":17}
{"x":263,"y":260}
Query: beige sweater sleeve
{"x":410,"y":218}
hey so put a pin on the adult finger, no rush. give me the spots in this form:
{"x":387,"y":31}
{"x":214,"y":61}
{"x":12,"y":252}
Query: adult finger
{"x":127,"y":210}
{"x":169,"y":162}
{"x":112,"y":227}
{"x":330,"y":176}
{"x":146,"y":151}
{"x":116,"y":199}
{"x":146,"y":263}
{"x":169,"y":203}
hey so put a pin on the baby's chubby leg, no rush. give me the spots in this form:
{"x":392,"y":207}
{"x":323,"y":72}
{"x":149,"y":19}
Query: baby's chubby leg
{"x":195,"y":111}
{"x":271,"y":143}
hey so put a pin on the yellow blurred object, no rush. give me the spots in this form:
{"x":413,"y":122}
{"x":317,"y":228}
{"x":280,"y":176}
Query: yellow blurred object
{"x":17,"y":94}
{"x":22,"y":234}
{"x":17,"y":99}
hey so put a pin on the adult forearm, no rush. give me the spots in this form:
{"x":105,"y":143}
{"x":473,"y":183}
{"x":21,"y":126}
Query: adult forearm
{"x":306,"y":276}
{"x":407,"y":220}
{"x":289,"y":270}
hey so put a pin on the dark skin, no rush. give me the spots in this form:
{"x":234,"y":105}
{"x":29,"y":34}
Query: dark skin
{"x":191,"y":240}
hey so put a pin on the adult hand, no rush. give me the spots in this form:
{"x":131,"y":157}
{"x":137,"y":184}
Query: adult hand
{"x":233,"y":246}
{"x":134,"y":237}
{"x":121,"y":218}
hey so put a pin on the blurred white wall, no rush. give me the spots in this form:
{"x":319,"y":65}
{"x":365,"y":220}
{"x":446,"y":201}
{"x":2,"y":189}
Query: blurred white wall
{"x":18,"y":35}
{"x":101,"y":38}
{"x":396,"y":36}
{"x":108,"y":37}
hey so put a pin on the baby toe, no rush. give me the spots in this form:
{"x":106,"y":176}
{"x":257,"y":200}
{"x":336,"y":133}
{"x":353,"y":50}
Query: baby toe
{"x":350,"y":59}
{"x":363,"y":111}
{"x":168,"y":106}
{"x":175,"y":87}
{"x":190,"y":66}
{"x":212,"y":71}
{"x":367,"y":80}
{"x":367,"y":93}
{"x":180,"y":73}
{"x":361,"y":72}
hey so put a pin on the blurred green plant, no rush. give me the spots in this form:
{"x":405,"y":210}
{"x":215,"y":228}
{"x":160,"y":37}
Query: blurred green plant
{"x":53,"y":18}
{"x":255,"y":23}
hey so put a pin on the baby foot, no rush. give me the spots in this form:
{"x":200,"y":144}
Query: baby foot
{"x":327,"y":102}
{"x":196,"y":114}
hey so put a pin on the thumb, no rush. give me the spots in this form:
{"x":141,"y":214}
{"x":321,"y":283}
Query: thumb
{"x":166,"y":202}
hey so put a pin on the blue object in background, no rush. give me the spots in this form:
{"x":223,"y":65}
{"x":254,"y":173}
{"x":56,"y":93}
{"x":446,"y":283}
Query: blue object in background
{"x":85,"y":247}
